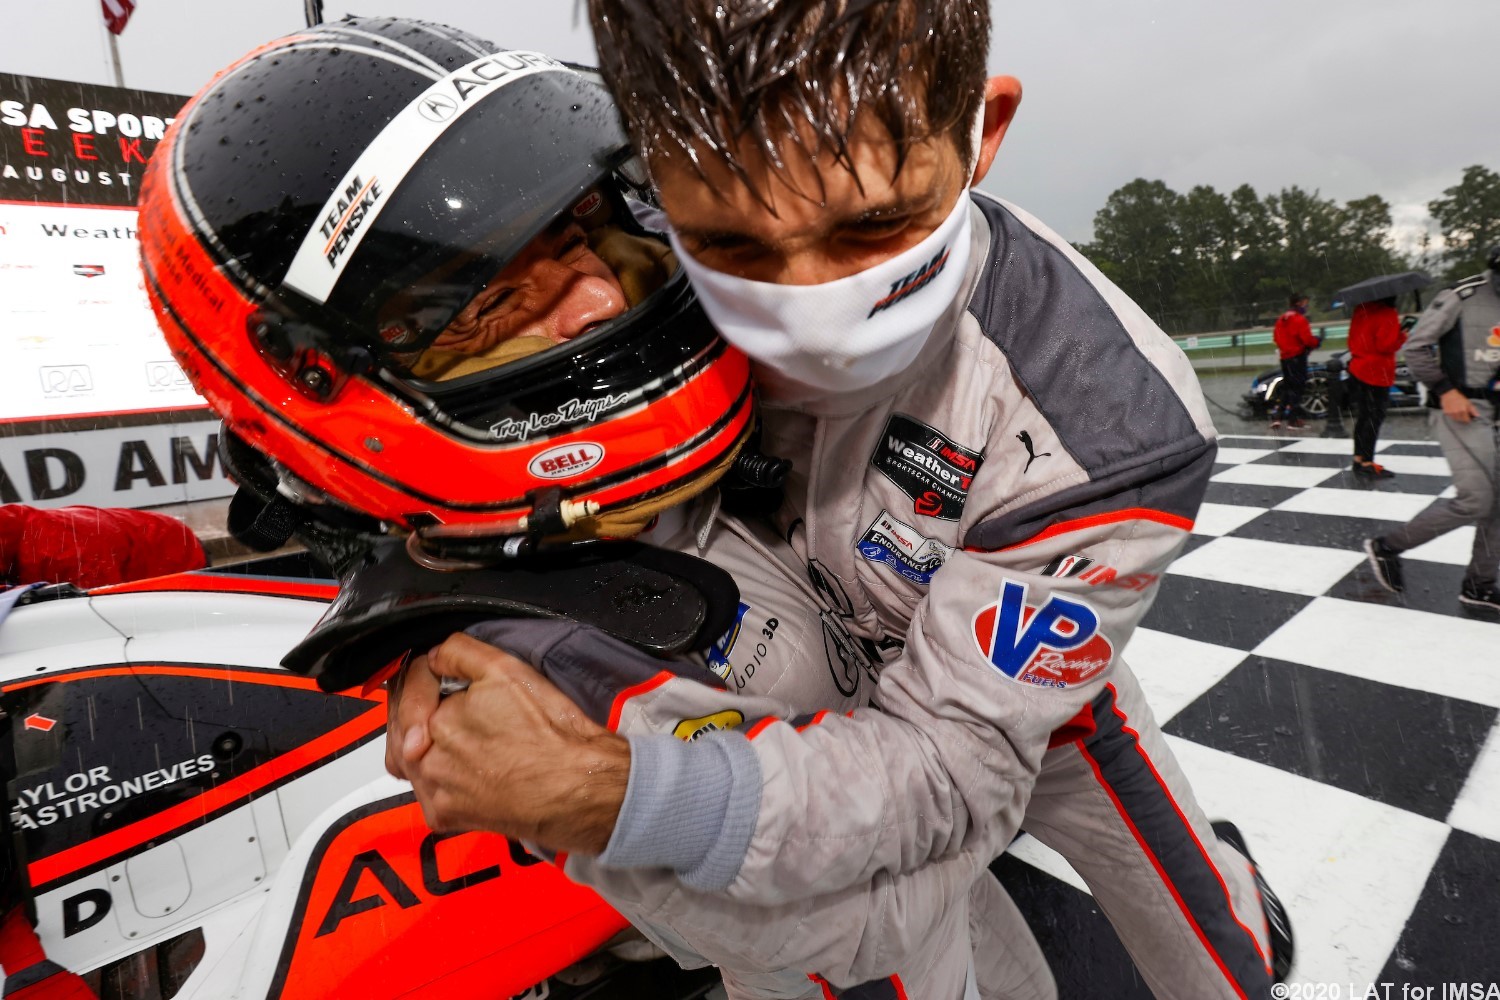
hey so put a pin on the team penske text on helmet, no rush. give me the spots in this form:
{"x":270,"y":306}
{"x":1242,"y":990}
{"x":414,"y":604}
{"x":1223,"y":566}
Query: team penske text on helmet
{"x":333,"y":214}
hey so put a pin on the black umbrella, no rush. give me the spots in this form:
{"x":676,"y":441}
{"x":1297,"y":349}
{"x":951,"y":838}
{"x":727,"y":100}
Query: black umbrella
{"x":1387,"y":286}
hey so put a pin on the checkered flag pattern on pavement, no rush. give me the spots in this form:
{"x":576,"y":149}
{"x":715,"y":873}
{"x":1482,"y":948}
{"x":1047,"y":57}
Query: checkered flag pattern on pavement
{"x":1351,"y":733}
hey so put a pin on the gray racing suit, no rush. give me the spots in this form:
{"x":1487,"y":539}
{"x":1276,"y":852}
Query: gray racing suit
{"x":1456,"y":345}
{"x":786,"y":658}
{"x":994,"y":520}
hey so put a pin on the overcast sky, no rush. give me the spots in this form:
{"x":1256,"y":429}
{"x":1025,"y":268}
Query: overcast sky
{"x":1350,"y":97}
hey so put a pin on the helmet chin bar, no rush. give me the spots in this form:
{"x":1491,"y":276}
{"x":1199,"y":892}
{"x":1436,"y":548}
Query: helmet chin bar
{"x":660,"y":601}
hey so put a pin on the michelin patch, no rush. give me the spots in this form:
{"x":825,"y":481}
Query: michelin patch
{"x":717,"y":657}
{"x":903,"y":548}
{"x":927,"y":466}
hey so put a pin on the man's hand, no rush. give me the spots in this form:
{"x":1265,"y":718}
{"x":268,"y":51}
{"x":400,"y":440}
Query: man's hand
{"x":511,"y":754}
{"x":1457,"y":406}
{"x":412,"y":699}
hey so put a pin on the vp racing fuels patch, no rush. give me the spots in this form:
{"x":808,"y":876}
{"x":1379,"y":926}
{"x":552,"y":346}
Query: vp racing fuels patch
{"x":927,"y":466}
{"x":903,"y":548}
{"x":1056,"y":645}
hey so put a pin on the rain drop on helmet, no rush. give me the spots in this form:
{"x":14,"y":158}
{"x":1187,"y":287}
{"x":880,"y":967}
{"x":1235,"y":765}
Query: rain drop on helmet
{"x":405,"y":265}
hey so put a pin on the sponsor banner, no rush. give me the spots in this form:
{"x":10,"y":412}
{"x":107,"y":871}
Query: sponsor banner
{"x":896,"y":544}
{"x":77,"y":143}
{"x":1056,"y":644}
{"x":141,"y":466}
{"x":926,"y":465}
{"x":76,"y":329}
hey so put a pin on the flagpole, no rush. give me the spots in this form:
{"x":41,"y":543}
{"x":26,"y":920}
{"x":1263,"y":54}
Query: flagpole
{"x":114,"y":57}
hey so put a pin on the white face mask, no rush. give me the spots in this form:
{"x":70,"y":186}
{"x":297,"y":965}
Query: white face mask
{"x":846,"y":334}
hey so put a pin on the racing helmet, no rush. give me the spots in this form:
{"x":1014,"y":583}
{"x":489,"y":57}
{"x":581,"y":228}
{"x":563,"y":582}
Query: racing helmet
{"x":329,"y":219}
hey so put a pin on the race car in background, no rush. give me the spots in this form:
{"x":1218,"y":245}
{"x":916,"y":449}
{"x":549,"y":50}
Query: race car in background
{"x":189,"y":820}
{"x":1407,"y":392}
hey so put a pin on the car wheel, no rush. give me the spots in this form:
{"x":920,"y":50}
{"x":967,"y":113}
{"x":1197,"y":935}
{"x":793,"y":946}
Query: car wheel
{"x":1315,"y":396}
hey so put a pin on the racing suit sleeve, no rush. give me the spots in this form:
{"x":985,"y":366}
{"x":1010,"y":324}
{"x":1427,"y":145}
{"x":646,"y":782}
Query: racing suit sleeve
{"x":1007,"y":654}
{"x":860,"y":934}
{"x":1422,"y":356}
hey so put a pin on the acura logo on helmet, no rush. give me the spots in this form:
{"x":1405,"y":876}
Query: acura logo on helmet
{"x":437,"y":108}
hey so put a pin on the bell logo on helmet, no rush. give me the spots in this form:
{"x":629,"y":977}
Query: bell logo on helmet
{"x":566,"y":461}
{"x":588,"y":205}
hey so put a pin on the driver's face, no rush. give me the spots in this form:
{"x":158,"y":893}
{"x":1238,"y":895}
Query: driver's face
{"x":555,"y":288}
{"x":822,"y":222}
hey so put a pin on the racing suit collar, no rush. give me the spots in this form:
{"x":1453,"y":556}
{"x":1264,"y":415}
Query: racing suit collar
{"x":778,"y":392}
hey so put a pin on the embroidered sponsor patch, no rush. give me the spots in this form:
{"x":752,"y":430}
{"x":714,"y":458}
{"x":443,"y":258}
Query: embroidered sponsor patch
{"x":717,"y":657}
{"x":927,"y":466}
{"x":1097,"y":574}
{"x":903,"y":548}
{"x":690,"y":729}
{"x":1055,"y":645}
{"x":1069,"y":565}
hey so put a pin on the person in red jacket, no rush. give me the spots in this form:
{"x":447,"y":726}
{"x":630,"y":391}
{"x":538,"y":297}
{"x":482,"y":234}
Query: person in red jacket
{"x":1375,"y":335}
{"x":92,"y":546}
{"x":1295,"y":341}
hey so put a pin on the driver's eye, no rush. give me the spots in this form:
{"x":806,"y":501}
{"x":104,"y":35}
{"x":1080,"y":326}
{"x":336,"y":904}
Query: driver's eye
{"x":572,"y":245}
{"x":877,"y":228}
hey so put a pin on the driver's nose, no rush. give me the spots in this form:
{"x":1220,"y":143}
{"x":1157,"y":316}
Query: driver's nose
{"x":578,"y":299}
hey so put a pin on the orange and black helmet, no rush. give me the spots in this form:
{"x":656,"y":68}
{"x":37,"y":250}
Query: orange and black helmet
{"x":327,"y":207}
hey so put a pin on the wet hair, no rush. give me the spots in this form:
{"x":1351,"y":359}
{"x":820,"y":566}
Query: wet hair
{"x":696,"y":76}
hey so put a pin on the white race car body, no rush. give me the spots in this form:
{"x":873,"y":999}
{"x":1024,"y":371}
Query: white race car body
{"x":191,"y":820}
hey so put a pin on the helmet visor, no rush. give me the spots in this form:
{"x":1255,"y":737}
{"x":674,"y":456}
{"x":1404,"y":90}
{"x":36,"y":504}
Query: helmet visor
{"x":405,"y":247}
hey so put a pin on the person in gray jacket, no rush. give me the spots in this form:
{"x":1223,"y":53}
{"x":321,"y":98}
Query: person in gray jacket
{"x":1454,"y":350}
{"x":517,"y":322}
{"x":995,"y":456}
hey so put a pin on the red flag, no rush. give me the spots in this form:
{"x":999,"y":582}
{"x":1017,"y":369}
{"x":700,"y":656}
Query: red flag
{"x":117,"y":14}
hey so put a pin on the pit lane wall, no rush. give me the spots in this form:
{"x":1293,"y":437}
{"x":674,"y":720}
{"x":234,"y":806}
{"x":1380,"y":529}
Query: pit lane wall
{"x":93,"y":409}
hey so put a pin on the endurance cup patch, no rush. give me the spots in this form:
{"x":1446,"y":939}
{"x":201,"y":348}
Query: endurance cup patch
{"x":903,"y":548}
{"x":927,"y":466}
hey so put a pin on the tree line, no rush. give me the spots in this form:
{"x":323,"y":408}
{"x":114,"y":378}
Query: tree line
{"x":1206,"y":260}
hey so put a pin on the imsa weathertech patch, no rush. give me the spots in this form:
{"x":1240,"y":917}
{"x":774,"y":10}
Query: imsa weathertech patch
{"x":927,"y":466}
